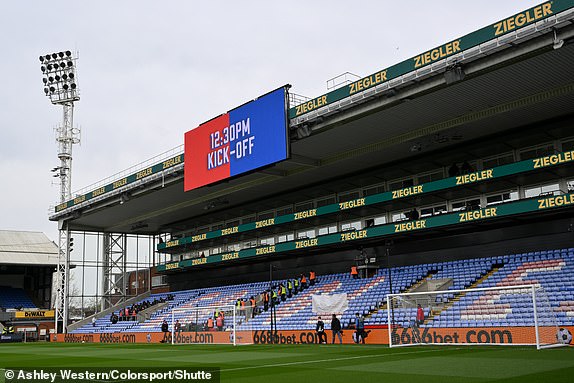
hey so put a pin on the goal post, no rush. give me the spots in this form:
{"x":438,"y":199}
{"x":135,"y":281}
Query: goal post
{"x":222,"y":324}
{"x":504,"y":315}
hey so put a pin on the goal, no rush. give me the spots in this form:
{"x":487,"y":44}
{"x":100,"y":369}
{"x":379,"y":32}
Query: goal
{"x":506,"y":315}
{"x":201,"y":325}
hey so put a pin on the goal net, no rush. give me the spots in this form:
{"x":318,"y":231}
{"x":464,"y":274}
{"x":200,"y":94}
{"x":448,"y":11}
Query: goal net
{"x":211,"y":325}
{"x":508,"y":315}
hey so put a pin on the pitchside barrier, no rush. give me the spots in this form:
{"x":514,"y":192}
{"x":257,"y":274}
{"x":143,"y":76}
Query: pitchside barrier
{"x":467,"y":336}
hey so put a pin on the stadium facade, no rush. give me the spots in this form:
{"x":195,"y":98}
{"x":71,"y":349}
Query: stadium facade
{"x":463,"y":152}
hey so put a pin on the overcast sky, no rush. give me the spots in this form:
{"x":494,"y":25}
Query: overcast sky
{"x":151,"y":70}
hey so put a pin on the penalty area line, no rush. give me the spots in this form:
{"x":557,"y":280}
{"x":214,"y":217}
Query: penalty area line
{"x":332,"y":360}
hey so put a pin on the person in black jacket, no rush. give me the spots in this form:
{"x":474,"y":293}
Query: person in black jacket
{"x":336,"y":329}
{"x":165,"y":330}
{"x":320,"y":329}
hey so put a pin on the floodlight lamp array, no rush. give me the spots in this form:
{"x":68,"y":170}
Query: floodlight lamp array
{"x":60,"y":82}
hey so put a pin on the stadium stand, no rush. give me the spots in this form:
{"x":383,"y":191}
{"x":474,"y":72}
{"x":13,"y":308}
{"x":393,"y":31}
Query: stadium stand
{"x":442,"y":168}
{"x":552,"y":269}
{"x":14,"y":298}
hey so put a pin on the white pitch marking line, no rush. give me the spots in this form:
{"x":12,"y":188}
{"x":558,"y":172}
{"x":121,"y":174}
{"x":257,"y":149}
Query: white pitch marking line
{"x":330,"y":360}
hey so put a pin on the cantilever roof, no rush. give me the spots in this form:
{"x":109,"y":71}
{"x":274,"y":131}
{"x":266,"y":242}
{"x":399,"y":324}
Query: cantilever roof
{"x":27,"y":248}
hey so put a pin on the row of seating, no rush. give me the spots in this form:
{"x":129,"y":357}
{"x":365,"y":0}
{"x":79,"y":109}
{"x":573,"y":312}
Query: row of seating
{"x":14,"y":298}
{"x":552,"y":269}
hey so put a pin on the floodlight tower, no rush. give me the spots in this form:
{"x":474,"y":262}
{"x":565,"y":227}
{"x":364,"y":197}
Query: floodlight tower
{"x":60,"y":86}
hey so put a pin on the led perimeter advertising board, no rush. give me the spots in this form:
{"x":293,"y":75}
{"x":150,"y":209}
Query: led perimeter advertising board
{"x":246,"y":138}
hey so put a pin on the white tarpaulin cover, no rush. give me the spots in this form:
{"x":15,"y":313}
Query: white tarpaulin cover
{"x":330,"y":303}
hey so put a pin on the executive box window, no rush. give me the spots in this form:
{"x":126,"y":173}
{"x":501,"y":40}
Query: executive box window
{"x":374,"y":190}
{"x":499,"y":198}
{"x":432,"y":210}
{"x":568,"y":145}
{"x":326,"y":201}
{"x":304,"y":234}
{"x":502,"y":159}
{"x":304,"y":206}
{"x":381,"y":220}
{"x":327,"y":230}
{"x":285,"y":237}
{"x":234,"y":247}
{"x":542,"y":190}
{"x":429,"y":177}
{"x":232,"y":223}
{"x":265,"y":215}
{"x":539,"y":151}
{"x":267,"y":241}
{"x":349,"y":196}
{"x":216,"y":250}
{"x":401,"y":184}
{"x":249,"y":219}
{"x":285,"y":210}
{"x":469,"y":204}
{"x":400,"y":216}
{"x":349,"y":226}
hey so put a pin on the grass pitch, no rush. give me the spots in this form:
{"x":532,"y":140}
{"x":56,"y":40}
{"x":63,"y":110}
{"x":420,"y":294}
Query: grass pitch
{"x":312,"y":363}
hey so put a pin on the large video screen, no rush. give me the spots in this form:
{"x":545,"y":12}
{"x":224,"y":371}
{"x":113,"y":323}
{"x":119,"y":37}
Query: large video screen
{"x":246,"y":138}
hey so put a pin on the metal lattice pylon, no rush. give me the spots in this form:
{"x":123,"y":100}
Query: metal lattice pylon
{"x":114,"y":273}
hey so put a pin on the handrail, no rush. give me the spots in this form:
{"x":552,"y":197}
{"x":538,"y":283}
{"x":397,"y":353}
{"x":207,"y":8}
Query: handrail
{"x":133,"y":169}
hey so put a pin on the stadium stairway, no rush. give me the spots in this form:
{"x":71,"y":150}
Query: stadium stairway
{"x":413,"y":287}
{"x":549,"y":269}
{"x":446,"y":305}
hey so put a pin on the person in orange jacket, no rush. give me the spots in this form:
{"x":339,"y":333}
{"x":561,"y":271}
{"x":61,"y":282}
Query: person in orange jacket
{"x":312,"y":277}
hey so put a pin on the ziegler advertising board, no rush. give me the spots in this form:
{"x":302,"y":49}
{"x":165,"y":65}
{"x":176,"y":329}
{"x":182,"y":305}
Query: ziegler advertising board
{"x":244,"y":139}
{"x":463,"y":217}
{"x":471,"y":40}
{"x":416,"y":190}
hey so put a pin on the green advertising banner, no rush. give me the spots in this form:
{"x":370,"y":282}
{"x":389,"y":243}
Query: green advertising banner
{"x":471,"y":40}
{"x":447,"y":183}
{"x":462,"y":217}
